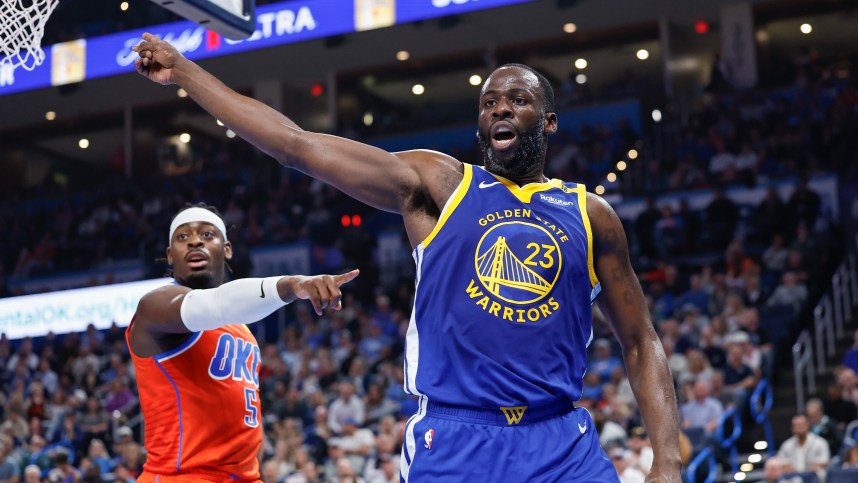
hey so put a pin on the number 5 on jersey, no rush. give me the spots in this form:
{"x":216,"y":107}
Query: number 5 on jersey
{"x":252,"y":417}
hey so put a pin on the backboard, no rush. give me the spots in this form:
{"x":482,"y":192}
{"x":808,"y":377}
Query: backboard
{"x":234,"y":19}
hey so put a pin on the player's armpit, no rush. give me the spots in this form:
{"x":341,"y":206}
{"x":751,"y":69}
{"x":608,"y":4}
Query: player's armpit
{"x":159,"y":311}
{"x":371,"y":175}
{"x":621,"y":300}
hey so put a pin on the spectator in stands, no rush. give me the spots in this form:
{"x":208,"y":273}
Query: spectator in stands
{"x":716,"y":355}
{"x":640,"y":452}
{"x":850,"y":360}
{"x":669,"y":233}
{"x":799,"y":266}
{"x":677,"y":362}
{"x":738,"y":265}
{"x":739,"y":379}
{"x":747,"y":164}
{"x":671,"y":328}
{"x":703,"y":411}
{"x":850,"y":459}
{"x":804,"y":451}
{"x":347,"y":406}
{"x":603,"y":362}
{"x":722,"y":215}
{"x":625,"y":470}
{"x":355,"y":443}
{"x":804,"y":204}
{"x":47,"y":376}
{"x":770,"y":219}
{"x":99,"y":456}
{"x":848,"y":382}
{"x":645,"y":227}
{"x":95,"y":422}
{"x":790,"y":292}
{"x":695,"y":295}
{"x":722,"y":165}
{"x":9,"y":469}
{"x":63,"y":470}
{"x":718,"y":294}
{"x":753,"y":293}
{"x":838,"y":408}
{"x":773,"y":470}
{"x":775,"y":255}
{"x":120,"y":398}
{"x":822,"y":426}
{"x":698,"y":366}
{"x":610,"y":433}
{"x":25,"y":353}
{"x":378,"y":405}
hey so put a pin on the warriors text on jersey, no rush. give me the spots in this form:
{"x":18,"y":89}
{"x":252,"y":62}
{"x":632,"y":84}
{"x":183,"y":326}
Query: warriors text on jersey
{"x":505,"y":282}
{"x":201,"y":406}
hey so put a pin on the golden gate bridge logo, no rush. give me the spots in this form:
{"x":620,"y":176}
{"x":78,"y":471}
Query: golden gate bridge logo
{"x":521,"y":264}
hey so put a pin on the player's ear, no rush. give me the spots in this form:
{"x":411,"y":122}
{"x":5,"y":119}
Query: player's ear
{"x":227,"y":251}
{"x":550,"y":123}
{"x":169,"y":255}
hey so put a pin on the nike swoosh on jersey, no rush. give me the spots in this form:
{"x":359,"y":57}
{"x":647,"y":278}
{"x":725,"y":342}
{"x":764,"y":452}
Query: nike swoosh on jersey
{"x":483,"y":184}
{"x":583,"y":428}
{"x":262,"y":289}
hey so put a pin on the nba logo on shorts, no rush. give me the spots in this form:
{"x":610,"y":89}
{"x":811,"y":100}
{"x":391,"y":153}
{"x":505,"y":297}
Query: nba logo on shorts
{"x":428,"y":438}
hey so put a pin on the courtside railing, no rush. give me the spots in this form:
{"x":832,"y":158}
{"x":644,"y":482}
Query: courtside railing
{"x":830,"y":316}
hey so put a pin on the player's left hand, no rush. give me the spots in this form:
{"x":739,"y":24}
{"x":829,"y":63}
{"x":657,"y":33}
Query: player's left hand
{"x":157,"y":60}
{"x":323,"y":291}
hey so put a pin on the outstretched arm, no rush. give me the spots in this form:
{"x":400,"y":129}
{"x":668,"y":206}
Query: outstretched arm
{"x":622,"y":302}
{"x":371,"y":175}
{"x":176,"y":309}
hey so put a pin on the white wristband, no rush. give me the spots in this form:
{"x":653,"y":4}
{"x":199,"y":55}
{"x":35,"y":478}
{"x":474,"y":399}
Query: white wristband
{"x":241,"y":301}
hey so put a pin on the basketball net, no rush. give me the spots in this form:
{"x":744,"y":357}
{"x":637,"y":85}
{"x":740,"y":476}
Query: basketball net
{"x":22,"y":24}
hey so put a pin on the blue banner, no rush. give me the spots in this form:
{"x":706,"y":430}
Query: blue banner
{"x":413,"y":10}
{"x":276,"y":24}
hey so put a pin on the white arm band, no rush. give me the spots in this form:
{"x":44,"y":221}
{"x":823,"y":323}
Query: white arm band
{"x":241,"y":301}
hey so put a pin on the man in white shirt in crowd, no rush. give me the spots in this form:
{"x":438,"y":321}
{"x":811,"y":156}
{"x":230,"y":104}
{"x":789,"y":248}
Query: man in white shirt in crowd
{"x":357,"y":443}
{"x":703,"y":411}
{"x":347,"y":406}
{"x":625,"y":470}
{"x":804,"y":451}
{"x":640,"y":452}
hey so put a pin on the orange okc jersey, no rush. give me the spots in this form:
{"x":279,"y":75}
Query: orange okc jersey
{"x":201,"y":405}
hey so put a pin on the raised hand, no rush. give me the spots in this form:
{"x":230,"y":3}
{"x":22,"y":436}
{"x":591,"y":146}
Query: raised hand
{"x":323,"y":291}
{"x":157,"y":59}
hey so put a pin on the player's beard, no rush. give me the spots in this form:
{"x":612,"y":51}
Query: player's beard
{"x":529,"y":154}
{"x":200,"y":280}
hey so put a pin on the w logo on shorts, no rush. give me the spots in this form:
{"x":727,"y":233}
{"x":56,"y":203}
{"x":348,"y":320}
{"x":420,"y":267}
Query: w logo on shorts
{"x":513,"y":414}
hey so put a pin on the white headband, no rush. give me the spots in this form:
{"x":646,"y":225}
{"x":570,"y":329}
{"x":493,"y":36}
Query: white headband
{"x":197,"y":214}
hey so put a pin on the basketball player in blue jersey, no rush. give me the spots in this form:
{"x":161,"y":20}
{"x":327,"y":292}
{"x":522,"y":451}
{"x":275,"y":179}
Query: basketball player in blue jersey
{"x":508,"y":265}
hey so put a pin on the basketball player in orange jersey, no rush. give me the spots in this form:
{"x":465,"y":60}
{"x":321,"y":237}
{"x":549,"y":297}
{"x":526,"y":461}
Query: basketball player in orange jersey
{"x":198,"y":364}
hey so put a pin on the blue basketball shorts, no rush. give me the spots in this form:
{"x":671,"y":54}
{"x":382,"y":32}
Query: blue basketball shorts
{"x":518,"y":444}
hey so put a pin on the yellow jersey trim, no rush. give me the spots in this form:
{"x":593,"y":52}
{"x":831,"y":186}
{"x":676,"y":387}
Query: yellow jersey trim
{"x":451,"y":204}
{"x":582,"y":207}
{"x":526,"y":192}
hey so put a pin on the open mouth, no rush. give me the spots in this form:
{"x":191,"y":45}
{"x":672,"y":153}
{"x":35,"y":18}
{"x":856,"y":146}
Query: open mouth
{"x":503,"y":136}
{"x":197,"y":260}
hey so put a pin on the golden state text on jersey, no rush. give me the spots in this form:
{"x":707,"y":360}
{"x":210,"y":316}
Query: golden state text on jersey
{"x":505,"y":282}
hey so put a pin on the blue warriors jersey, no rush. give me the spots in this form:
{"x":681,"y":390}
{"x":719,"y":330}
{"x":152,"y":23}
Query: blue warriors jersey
{"x":503,"y":305}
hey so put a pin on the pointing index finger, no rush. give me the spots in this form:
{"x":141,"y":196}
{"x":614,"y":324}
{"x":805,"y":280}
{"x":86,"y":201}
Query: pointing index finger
{"x":346,"y":277}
